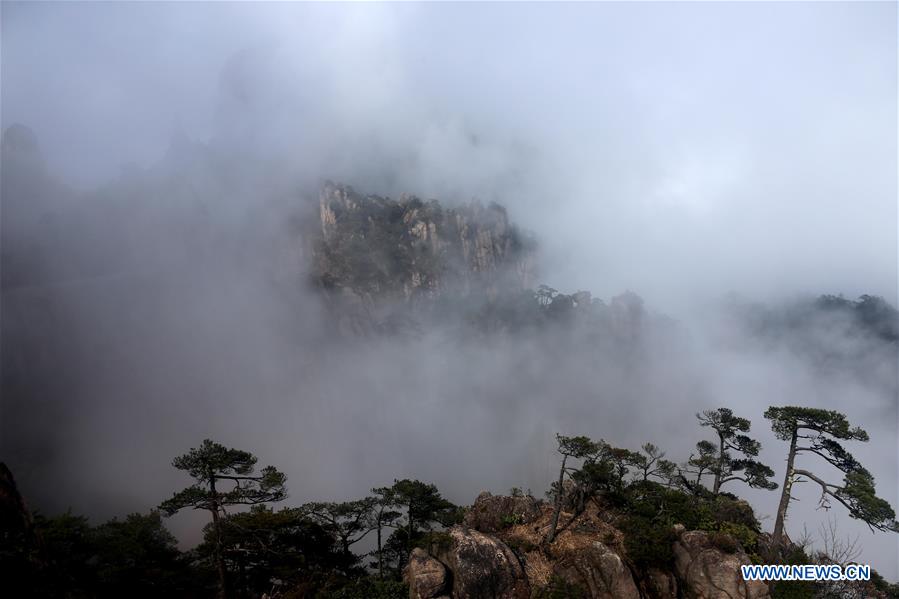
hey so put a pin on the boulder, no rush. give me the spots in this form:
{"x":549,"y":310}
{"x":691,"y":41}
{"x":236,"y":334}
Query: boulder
{"x":659,"y":584}
{"x":599,"y":571}
{"x":708,"y":572}
{"x":492,"y":513}
{"x":426,"y":576}
{"x":483,"y":567}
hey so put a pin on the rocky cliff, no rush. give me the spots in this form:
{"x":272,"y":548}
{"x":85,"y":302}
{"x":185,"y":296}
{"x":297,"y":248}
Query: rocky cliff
{"x":370,"y":251}
{"x":499,"y":552}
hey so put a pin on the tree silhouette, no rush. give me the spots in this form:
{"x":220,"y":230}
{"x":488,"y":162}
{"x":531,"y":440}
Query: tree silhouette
{"x":726,"y":468}
{"x":814,"y":431}
{"x":569,"y":447}
{"x":212,"y":465}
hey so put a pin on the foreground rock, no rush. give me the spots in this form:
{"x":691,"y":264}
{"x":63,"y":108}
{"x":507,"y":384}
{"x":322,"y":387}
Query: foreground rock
{"x":492,"y":513}
{"x":499,"y":553}
{"x":483,"y":567}
{"x":710,"y":573}
{"x":427,"y":577}
{"x":599,"y":571}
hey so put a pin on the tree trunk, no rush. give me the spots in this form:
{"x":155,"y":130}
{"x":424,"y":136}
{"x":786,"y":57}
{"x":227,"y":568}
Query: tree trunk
{"x":777,"y":537}
{"x":716,"y":485}
{"x":380,"y":559}
{"x":558,"y":503}
{"x":219,"y":558}
{"x":216,"y":526}
{"x":409,"y":534}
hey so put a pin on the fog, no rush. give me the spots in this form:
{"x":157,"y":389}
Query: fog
{"x":687,"y":152}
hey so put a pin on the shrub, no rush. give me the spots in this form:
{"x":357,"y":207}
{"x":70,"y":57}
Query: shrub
{"x":369,"y":588}
{"x":648,"y":543}
{"x":723,"y":542}
{"x":435,"y":542}
{"x":509,"y":520}
{"x":727,"y":509}
{"x":747,"y":537}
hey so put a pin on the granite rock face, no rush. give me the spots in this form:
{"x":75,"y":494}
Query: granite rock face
{"x":405,"y":248}
{"x":500,"y":552}
{"x":483,"y":567}
{"x":492,"y":513}
{"x":710,"y":573}
{"x":426,"y":577}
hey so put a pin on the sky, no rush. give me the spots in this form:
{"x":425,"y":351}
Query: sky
{"x":685,"y":151}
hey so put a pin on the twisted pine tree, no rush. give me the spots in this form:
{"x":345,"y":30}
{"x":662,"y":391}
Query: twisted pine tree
{"x":212,"y":466}
{"x":721,"y":460}
{"x":578,"y":448}
{"x":815,"y":431}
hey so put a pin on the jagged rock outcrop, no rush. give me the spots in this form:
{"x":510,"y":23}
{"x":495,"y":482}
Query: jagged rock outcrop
{"x":598,"y":570}
{"x":709,"y":572}
{"x":503,"y":554}
{"x":380,"y":247}
{"x":483,"y":567}
{"x":426,"y":576}
{"x":659,"y":583}
{"x":491,"y":513}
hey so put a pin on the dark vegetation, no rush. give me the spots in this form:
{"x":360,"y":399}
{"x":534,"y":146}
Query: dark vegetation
{"x":308,"y":550}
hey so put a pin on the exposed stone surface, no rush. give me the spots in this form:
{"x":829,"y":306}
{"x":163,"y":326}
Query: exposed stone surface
{"x":508,"y":558}
{"x":426,"y":576}
{"x":376,"y":246}
{"x":483,"y":567}
{"x":492,"y":513}
{"x":599,"y":571}
{"x":659,"y":584}
{"x":709,"y":573}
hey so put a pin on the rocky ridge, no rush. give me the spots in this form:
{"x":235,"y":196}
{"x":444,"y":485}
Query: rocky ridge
{"x":372,"y":254}
{"x":498,"y":553}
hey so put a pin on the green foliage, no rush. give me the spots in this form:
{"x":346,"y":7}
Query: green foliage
{"x":648,"y":543}
{"x":211,"y":464}
{"x":68,"y":548}
{"x":434,"y":542}
{"x":214,"y":466}
{"x":577,"y":447}
{"x":424,"y":504}
{"x":348,"y":521}
{"x":368,"y":587}
{"x":651,"y":510}
{"x":420,"y":516}
{"x":509,"y":520}
{"x":819,"y":431}
{"x":741,"y":533}
{"x":262,"y":545}
{"x":858,"y":494}
{"x":134,"y":557}
{"x":786,"y":420}
{"x":138,"y":555}
{"x":880,"y":583}
{"x":651,"y":462}
{"x":719,"y":461}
